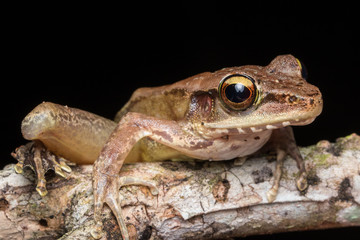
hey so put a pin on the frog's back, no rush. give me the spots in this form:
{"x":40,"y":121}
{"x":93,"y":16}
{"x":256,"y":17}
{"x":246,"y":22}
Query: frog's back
{"x":161,"y":103}
{"x":169,"y":102}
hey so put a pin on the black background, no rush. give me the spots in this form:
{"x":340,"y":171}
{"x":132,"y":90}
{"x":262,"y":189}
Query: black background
{"x":93,"y":57}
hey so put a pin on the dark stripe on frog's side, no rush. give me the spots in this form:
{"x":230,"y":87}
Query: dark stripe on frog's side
{"x":164,"y":135}
{"x":287,"y":99}
{"x":200,"y":144}
{"x":201,"y":105}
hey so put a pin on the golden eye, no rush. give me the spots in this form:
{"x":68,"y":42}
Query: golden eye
{"x":237,"y":92}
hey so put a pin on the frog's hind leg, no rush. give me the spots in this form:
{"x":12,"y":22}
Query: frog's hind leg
{"x":58,"y":133}
{"x":74,"y":134}
{"x":35,"y":155}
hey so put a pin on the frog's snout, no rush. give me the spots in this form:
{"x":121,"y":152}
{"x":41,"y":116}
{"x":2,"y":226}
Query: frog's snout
{"x":317,"y":103}
{"x":308,"y":108}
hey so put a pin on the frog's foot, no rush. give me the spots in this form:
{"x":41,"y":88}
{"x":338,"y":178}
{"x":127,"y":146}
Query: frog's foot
{"x":301,"y":181}
{"x":106,"y":190}
{"x":284,"y":142}
{"x":40,"y":160}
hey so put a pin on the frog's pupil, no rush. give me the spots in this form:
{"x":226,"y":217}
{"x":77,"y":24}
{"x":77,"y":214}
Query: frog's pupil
{"x":237,"y":93}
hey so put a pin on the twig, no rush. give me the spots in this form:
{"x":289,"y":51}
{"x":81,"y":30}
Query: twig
{"x":196,"y":200}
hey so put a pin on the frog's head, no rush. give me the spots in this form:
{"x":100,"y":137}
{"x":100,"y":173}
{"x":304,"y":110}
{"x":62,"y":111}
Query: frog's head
{"x":257,"y":98}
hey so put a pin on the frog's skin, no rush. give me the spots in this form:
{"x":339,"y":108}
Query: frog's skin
{"x":190,"y":119}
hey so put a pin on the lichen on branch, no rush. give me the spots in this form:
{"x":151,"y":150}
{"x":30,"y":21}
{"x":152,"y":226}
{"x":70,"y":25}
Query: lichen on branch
{"x":195,"y":200}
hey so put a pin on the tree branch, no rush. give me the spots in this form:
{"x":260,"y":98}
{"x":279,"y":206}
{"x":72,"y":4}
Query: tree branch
{"x":195,"y":200}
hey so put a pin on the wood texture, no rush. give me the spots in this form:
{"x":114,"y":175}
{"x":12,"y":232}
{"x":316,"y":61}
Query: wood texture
{"x":196,"y":200}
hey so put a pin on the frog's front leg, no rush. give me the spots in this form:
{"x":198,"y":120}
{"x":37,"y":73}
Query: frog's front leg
{"x":283,"y":142}
{"x":131,"y":128}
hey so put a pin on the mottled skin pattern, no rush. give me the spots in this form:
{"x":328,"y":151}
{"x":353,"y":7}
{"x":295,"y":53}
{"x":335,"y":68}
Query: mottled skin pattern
{"x":181,"y":121}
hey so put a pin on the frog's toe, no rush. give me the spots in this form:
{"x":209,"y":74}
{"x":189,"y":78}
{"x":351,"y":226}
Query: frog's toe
{"x":110,"y":196}
{"x":96,"y":232}
{"x":20,"y":154}
{"x":56,"y":163}
{"x":240,"y":161}
{"x":271,"y":194}
{"x":41,"y":187}
{"x":19,"y":168}
{"x":40,"y":160}
{"x":301,"y":181}
{"x":128,"y":180}
{"x":113,"y":202}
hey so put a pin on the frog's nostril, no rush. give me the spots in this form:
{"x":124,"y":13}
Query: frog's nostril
{"x":292,"y":99}
{"x":311,"y":101}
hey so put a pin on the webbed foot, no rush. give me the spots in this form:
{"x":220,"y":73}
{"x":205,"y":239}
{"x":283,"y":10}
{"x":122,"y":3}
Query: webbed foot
{"x":40,"y":160}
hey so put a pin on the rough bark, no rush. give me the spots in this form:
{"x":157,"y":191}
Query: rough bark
{"x":196,"y":200}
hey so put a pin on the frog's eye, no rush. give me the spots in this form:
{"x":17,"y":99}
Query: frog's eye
{"x":237,"y":92}
{"x":304,"y":73}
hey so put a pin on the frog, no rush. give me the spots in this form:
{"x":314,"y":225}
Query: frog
{"x":228,"y":114}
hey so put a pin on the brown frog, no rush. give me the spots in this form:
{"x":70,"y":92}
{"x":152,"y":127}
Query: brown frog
{"x":216,"y":116}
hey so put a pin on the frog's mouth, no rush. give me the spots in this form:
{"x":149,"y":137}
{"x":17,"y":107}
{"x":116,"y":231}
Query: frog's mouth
{"x":257,"y":122}
{"x":259,"y":127}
